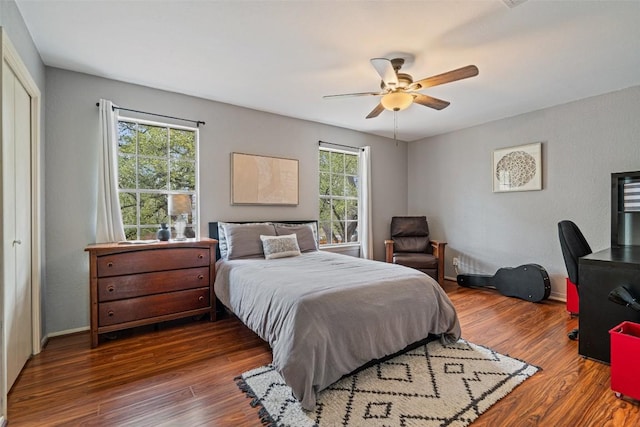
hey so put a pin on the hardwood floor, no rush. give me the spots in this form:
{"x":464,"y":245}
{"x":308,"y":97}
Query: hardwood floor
{"x":182,"y":374}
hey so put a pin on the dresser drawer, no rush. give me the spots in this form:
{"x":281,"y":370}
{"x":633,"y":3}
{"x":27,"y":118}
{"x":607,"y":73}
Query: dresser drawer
{"x":128,"y":310}
{"x":151,"y":260}
{"x":137,"y":285}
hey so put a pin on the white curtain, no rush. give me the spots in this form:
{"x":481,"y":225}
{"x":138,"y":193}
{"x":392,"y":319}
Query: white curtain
{"x":108,"y":219}
{"x":366,"y":228}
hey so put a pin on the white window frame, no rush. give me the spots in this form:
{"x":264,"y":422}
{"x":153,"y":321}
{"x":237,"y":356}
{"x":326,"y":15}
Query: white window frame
{"x":358,"y":198}
{"x":195,"y":216}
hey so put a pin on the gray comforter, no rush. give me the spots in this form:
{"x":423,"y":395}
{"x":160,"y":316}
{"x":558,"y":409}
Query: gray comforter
{"x":325,"y":315}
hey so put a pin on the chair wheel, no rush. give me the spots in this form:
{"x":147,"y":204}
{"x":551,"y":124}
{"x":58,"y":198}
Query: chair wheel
{"x":573,"y":335}
{"x":618,"y":395}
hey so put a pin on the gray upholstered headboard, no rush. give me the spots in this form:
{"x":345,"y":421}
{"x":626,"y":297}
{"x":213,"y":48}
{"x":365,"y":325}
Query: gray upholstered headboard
{"x":213,"y":228}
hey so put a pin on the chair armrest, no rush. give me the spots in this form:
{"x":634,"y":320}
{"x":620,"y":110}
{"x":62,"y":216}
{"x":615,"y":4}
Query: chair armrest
{"x":388,"y":250}
{"x":438,"y":252}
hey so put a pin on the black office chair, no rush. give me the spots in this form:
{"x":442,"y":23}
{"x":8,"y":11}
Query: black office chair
{"x":574,"y":246}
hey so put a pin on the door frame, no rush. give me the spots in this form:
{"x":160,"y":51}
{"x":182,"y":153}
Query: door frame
{"x":13,"y":60}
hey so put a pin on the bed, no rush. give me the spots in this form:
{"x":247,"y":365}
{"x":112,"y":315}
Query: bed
{"x":324,"y":314}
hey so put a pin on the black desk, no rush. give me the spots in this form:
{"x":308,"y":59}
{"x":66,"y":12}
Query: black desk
{"x":599,"y":273}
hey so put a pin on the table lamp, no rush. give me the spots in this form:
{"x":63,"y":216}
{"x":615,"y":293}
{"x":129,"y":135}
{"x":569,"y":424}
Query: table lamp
{"x":180,"y":206}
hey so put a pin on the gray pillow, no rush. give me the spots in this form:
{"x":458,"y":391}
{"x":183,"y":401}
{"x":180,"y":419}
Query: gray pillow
{"x":243,"y":240}
{"x":306,"y":234}
{"x":280,"y":246}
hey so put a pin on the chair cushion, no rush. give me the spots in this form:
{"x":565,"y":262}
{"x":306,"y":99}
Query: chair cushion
{"x":415,"y":260}
{"x":411,"y":244}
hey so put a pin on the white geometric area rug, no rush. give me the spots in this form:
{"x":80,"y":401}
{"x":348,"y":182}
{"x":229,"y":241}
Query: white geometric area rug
{"x":432,"y":385}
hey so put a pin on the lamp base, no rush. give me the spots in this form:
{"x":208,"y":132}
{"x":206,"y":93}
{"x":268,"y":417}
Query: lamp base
{"x":180,"y":226}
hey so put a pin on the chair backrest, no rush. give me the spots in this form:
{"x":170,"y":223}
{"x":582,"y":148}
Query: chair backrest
{"x":574,"y":246}
{"x":410,"y":234}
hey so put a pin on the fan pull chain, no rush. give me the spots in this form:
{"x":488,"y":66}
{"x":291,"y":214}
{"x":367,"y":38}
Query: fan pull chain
{"x":395,"y":127}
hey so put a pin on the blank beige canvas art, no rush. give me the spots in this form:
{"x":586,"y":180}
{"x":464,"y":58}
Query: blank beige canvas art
{"x":263,"y":180}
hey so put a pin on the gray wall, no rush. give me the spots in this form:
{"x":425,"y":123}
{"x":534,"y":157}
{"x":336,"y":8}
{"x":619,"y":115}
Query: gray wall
{"x":72,"y":123}
{"x":583,"y":143}
{"x":12,"y":22}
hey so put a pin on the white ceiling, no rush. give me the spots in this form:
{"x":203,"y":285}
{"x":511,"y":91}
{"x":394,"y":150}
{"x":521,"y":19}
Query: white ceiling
{"x":283,"y":56}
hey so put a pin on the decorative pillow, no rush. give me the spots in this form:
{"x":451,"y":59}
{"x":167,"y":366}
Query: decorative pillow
{"x":280,"y":246}
{"x":306,"y":234}
{"x":243,"y":240}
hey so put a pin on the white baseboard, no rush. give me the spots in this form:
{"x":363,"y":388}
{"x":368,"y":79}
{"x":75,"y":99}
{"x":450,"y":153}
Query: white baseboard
{"x":67,"y":332}
{"x":553,"y":296}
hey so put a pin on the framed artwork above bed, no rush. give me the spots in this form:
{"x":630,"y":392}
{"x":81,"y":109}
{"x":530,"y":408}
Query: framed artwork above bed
{"x":263,"y":180}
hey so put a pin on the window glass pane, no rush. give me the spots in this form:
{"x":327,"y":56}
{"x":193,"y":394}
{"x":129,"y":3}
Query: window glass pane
{"x":131,"y":233}
{"x":352,"y":231}
{"x":128,"y":208}
{"x":351,"y":187}
{"x":324,"y":161}
{"x":153,"y":209}
{"x":352,"y":210}
{"x":152,"y":174}
{"x":337,"y":184}
{"x":183,"y":175}
{"x":339,"y":209}
{"x":325,"y":210}
{"x":182,"y":144}
{"x":351,"y":164}
{"x":148,"y":233}
{"x":324,"y":184}
{"x":127,"y":137}
{"x":338,"y":232}
{"x":127,"y":172}
{"x":337,"y":162}
{"x":324,"y":233}
{"x":152,"y":141}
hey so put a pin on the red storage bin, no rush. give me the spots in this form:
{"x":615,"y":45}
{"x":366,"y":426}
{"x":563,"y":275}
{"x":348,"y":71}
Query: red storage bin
{"x":625,"y":369}
{"x":572,"y":298}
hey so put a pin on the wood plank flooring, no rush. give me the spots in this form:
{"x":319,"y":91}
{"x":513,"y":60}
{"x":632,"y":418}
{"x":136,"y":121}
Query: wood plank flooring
{"x":181,"y":374}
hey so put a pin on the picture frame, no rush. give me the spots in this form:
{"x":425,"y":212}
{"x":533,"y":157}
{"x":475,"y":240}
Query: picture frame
{"x":264,"y":180}
{"x":517,"y":168}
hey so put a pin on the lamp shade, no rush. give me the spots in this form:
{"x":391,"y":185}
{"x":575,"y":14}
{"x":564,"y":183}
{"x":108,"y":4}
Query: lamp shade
{"x":396,"y":101}
{"x":179,"y":204}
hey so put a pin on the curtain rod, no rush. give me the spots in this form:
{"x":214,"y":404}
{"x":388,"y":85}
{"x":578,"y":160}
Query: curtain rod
{"x":341,"y":145}
{"x":197,"y":122}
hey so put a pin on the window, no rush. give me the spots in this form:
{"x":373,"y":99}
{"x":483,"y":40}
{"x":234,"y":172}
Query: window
{"x":339,"y":197}
{"x":157,"y":177}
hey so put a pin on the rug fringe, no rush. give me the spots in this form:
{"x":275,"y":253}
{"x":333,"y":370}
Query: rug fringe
{"x":263,"y":414}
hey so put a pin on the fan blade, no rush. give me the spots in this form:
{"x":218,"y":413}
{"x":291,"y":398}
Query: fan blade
{"x":376,"y":111}
{"x":384,"y":67}
{"x":428,"y":101}
{"x":355,"y":94}
{"x":448,"y":77}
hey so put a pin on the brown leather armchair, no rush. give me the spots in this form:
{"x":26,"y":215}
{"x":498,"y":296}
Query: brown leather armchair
{"x":410,"y":246}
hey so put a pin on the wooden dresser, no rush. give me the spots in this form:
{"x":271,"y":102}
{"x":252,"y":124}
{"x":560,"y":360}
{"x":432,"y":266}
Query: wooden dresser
{"x":138,"y":284}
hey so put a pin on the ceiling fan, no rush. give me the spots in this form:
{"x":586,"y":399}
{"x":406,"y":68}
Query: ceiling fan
{"x":399,"y":90}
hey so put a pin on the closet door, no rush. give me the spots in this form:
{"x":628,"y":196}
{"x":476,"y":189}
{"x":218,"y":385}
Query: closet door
{"x":16,"y":174}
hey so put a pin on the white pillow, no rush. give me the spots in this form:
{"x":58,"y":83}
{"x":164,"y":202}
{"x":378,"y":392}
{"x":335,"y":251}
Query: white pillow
{"x":280,"y":246}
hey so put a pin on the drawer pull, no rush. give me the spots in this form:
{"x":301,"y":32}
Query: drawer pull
{"x":111,"y":288}
{"x":110,"y":264}
{"x":200,"y":276}
{"x":110,"y":313}
{"x":200,"y":298}
{"x":200,"y":256}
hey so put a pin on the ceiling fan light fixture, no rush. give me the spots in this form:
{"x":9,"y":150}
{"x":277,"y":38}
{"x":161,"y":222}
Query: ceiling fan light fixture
{"x":396,"y":101}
